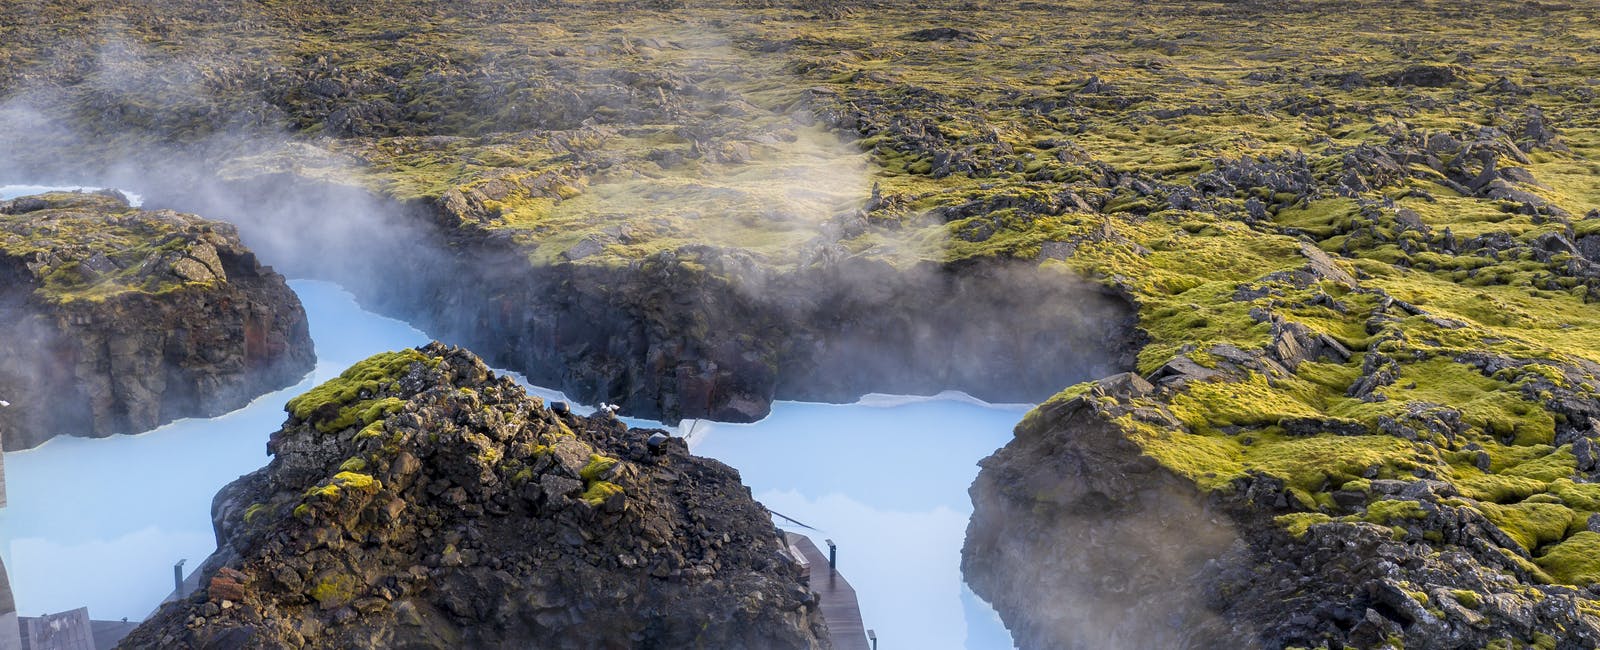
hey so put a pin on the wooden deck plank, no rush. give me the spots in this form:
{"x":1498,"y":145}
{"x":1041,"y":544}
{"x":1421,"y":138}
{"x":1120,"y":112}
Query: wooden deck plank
{"x":839,"y":605}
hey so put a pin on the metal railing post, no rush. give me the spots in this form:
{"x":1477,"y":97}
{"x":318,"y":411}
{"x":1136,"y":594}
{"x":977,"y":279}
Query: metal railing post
{"x":177,"y":578}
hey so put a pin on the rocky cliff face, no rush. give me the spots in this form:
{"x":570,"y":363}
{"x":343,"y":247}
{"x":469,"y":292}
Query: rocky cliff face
{"x":1080,"y":542}
{"x":712,"y":333}
{"x":701,"y":331}
{"x":1110,"y":500}
{"x":421,"y":501}
{"x":119,"y":320}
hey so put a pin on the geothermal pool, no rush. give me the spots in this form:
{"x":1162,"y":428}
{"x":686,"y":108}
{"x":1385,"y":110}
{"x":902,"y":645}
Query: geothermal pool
{"x":14,"y":191}
{"x":891,"y":491}
{"x":100,"y":522}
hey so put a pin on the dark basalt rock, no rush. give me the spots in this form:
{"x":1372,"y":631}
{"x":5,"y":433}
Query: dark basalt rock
{"x":119,"y":320}
{"x":1074,"y":527}
{"x":1073,"y":530}
{"x":421,"y":501}
{"x":712,"y":332}
{"x":1426,"y":75}
{"x":941,"y":34}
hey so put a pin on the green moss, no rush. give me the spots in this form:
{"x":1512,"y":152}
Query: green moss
{"x":597,"y":466}
{"x":1530,"y":524}
{"x":1394,"y":511}
{"x":355,"y":391}
{"x":599,"y":491}
{"x":1468,"y":599}
{"x":1574,"y":561}
{"x":1254,"y":402}
{"x":355,"y":464}
{"x":328,"y":492}
{"x":334,"y":591}
{"x":373,"y":430}
{"x":356,"y":481}
{"x":1311,"y":465}
{"x":1297,"y":523}
{"x":1578,"y":496}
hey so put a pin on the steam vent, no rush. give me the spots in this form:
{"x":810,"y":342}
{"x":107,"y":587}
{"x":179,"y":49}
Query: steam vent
{"x":800,"y":324}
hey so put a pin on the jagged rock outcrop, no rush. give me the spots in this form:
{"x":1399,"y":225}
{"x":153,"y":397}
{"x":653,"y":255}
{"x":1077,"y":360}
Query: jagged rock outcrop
{"x":1079,"y":542}
{"x":715,"y":335}
{"x":421,"y":501}
{"x":118,"y":320}
{"x":1087,"y":535}
{"x":708,"y":331}
{"x":1311,"y":531}
{"x":9,"y":632}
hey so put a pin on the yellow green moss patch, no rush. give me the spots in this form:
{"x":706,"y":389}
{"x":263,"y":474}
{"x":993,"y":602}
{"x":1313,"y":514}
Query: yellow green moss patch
{"x":354,"y":391}
{"x":599,"y":492}
{"x":334,"y":591}
{"x":1575,"y":561}
{"x":597,"y":466}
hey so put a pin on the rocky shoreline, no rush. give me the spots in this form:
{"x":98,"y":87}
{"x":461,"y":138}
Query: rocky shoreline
{"x":119,"y":320}
{"x":1076,"y":523}
{"x":708,"y":332}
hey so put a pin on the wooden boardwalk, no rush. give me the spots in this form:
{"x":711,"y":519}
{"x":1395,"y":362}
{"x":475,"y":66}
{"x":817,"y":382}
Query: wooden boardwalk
{"x":839,"y":605}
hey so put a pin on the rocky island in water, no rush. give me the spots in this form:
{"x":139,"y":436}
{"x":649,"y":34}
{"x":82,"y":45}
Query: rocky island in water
{"x":1300,"y":296}
{"x":118,"y":320}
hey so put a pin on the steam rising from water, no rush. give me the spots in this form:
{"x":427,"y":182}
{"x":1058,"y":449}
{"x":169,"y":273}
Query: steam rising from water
{"x":765,"y":179}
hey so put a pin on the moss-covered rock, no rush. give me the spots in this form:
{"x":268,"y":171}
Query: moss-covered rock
{"x":118,"y":320}
{"x":388,"y":539}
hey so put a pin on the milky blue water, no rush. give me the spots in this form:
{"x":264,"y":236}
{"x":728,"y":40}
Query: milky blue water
{"x":100,"y":522}
{"x":14,"y":191}
{"x":886,"y":480}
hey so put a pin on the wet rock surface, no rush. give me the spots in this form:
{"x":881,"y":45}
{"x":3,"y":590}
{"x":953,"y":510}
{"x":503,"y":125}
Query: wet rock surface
{"x":421,"y":501}
{"x":118,"y":320}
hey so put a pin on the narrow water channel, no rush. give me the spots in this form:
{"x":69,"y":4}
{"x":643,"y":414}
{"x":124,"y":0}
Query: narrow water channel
{"x":100,"y":522}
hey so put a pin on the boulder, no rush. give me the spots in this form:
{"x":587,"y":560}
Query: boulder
{"x":402,"y":527}
{"x":120,"y":320}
